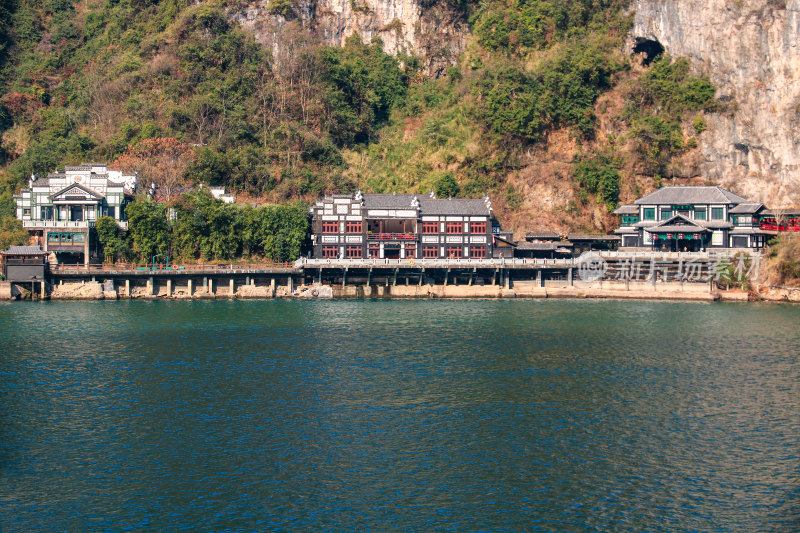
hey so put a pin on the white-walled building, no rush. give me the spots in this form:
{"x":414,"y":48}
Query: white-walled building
{"x":60,"y":211}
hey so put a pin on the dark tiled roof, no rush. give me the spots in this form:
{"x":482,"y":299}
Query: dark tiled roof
{"x":549,"y":235}
{"x":678,"y":229}
{"x":627,"y":210}
{"x":747,"y":208}
{"x":690,"y":194}
{"x":388,"y":201}
{"x":791,"y":211}
{"x":43,"y":182}
{"x":714,"y":224}
{"x":453,"y":206}
{"x":24,"y":250}
{"x":587,"y":237}
{"x":677,"y":224}
{"x":747,"y":231}
{"x":524,"y":245}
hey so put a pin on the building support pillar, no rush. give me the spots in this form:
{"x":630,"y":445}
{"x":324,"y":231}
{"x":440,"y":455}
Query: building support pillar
{"x":569,"y":277}
{"x":272,"y":287}
{"x":494,"y":277}
{"x":247,"y":280}
{"x":394,"y":282}
{"x":231,"y":288}
{"x":369,"y":276}
{"x":319,"y":276}
{"x":344,"y":277}
{"x":446,"y":275}
{"x":507,"y":277}
{"x":211,"y":286}
{"x":189,"y":287}
{"x":150,"y":286}
{"x":128,"y":288}
{"x":421,"y":275}
{"x":169,"y":287}
{"x":44,"y":290}
{"x":290,"y":284}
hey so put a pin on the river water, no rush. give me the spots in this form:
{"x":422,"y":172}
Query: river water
{"x":361,"y":415}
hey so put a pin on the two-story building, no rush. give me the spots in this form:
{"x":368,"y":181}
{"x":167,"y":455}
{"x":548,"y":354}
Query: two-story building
{"x":402,"y":226}
{"x":691,"y":218}
{"x":60,"y":211}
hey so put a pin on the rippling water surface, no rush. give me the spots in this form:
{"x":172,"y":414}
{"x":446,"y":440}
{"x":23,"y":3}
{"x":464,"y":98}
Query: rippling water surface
{"x":399,"y":415}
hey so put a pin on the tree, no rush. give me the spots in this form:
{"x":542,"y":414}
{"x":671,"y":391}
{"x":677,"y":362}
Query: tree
{"x":162,"y":161}
{"x":148,"y":228}
{"x":447,"y":186}
{"x":112,"y":240}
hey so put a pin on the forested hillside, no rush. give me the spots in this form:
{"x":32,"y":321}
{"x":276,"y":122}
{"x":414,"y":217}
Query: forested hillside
{"x":544,"y":111}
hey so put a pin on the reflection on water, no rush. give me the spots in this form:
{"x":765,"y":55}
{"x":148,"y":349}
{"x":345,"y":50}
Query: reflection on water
{"x":411,"y":415}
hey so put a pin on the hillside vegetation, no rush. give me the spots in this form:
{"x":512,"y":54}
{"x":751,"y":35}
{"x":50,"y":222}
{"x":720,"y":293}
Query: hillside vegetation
{"x":544,"y":111}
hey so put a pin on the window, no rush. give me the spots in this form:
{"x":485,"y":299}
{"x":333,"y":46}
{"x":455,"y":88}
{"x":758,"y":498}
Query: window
{"x":26,"y":212}
{"x":411,"y":251}
{"x":629,"y":220}
{"x":478,"y":252}
{"x":717,"y":213}
{"x":353,"y":252}
{"x":374,"y":250}
{"x":47,"y":213}
{"x":454,"y":227}
{"x":354,"y":226}
{"x":700,"y":214}
{"x":329,"y":252}
{"x":649,"y":213}
{"x":330,"y":226}
{"x":454,"y":252}
{"x":430,"y":227}
{"x":666,"y":214}
{"x":716,"y":238}
{"x":430,"y":252}
{"x":477,"y":227}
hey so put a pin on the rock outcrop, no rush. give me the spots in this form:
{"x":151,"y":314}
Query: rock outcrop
{"x":751,"y":51}
{"x":433,"y":30}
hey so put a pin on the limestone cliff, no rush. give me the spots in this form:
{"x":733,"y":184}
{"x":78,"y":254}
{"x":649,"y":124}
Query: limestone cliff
{"x":751,"y":51}
{"x":434,"y":30}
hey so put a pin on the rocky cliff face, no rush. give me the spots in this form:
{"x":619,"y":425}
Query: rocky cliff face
{"x":751,"y":51}
{"x":433,"y":30}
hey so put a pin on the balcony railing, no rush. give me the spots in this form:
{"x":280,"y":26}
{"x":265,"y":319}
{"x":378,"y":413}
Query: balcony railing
{"x":58,"y":224}
{"x":391,"y":237}
{"x":66,"y":224}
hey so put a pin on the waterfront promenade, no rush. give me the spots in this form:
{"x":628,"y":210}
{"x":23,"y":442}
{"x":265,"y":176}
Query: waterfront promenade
{"x":631,"y":273}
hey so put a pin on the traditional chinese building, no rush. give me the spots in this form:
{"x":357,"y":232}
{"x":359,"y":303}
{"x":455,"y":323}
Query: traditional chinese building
{"x":402,"y":226}
{"x":24,"y":263}
{"x":60,"y":211}
{"x":692,"y":218}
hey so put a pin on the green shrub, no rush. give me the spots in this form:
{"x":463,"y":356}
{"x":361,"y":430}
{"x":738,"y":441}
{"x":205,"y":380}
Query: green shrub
{"x":599,"y":174}
{"x":280,"y":7}
{"x":446,"y":186}
{"x":699,"y":124}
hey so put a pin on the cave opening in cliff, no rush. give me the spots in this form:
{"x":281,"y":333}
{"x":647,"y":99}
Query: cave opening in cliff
{"x":649,"y":47}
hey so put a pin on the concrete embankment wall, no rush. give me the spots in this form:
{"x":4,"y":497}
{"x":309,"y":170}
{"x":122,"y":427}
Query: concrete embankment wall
{"x":143,"y":288}
{"x":671,"y":291}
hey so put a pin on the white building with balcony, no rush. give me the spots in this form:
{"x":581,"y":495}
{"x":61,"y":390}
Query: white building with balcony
{"x":60,"y":211}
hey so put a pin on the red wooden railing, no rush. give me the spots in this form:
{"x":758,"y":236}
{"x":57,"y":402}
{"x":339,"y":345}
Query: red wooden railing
{"x":61,"y":267}
{"x":391,"y":237}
